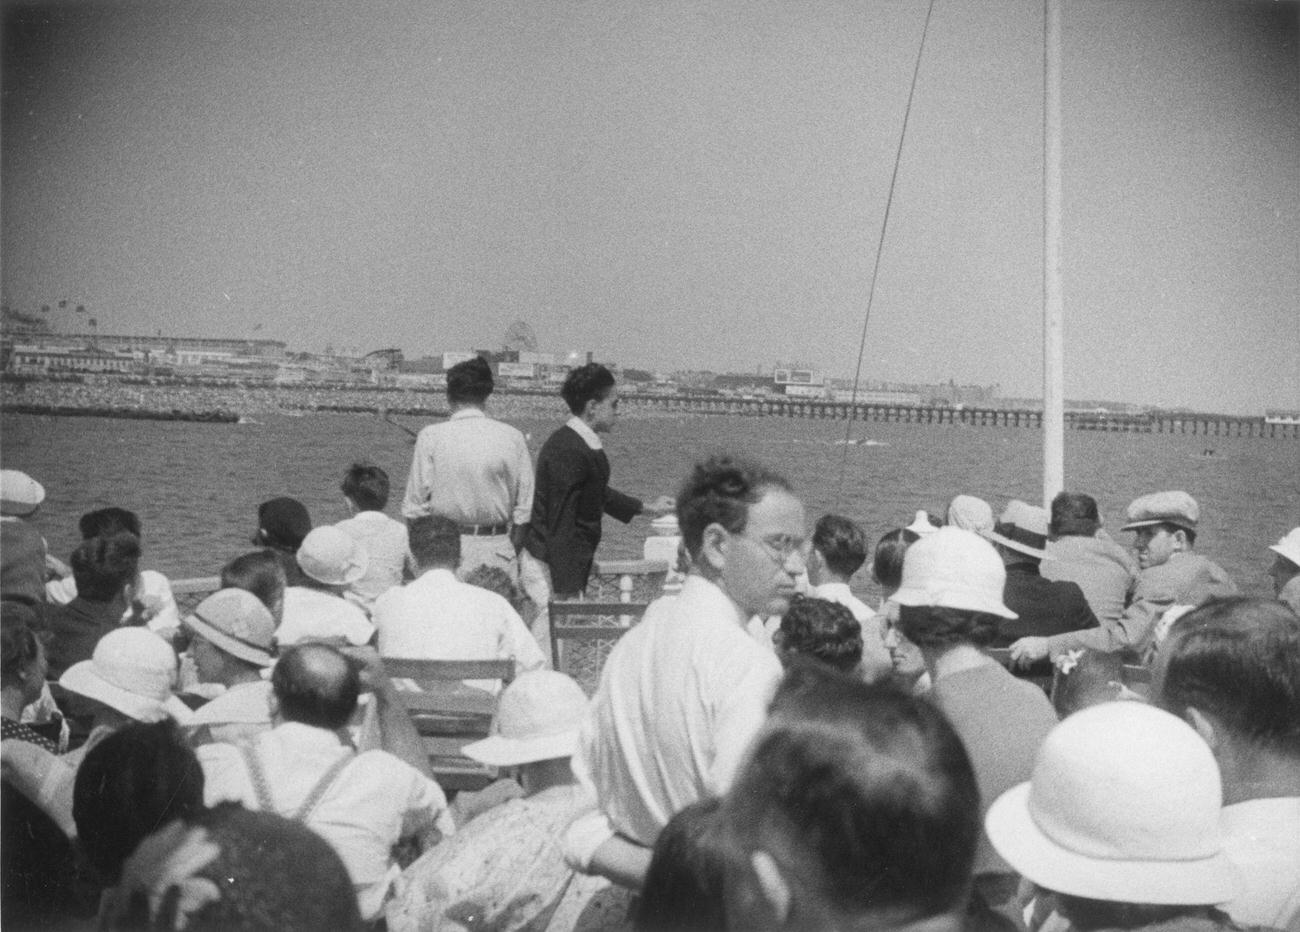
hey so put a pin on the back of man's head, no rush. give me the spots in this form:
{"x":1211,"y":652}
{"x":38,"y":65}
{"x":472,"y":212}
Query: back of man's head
{"x":591,"y":382}
{"x":1074,"y":515}
{"x":862,"y":800}
{"x":841,"y":543}
{"x":102,"y":566}
{"x":367,"y":485}
{"x":110,"y":520}
{"x":315,"y":685}
{"x":821,"y":630}
{"x":469,"y":382}
{"x":1236,"y":660}
{"x":434,"y":542}
{"x":720,"y":491}
{"x":261,"y":572}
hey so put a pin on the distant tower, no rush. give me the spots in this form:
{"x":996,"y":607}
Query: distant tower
{"x":520,"y":338}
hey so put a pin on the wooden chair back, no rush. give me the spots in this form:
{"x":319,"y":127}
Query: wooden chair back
{"x":598,"y":624}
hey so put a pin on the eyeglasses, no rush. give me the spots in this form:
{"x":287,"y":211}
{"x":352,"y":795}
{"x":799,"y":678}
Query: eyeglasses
{"x":781,"y":547}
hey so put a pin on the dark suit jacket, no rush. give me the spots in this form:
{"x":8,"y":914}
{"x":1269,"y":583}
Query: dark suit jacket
{"x":1045,"y":607}
{"x":570,"y":494}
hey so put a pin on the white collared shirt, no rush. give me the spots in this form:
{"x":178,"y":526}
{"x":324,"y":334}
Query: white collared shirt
{"x":438,"y":617}
{"x":376,"y":800}
{"x":1262,"y":838}
{"x":387,"y":544}
{"x":310,"y":614}
{"x":472,"y":469}
{"x":583,"y":430}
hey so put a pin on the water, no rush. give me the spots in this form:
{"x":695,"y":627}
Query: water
{"x":196,"y":486}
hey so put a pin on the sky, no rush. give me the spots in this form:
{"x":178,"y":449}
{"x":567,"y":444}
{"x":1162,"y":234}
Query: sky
{"x":672,"y":185}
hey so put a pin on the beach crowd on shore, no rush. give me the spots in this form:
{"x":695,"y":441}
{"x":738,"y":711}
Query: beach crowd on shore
{"x":1036,"y":728}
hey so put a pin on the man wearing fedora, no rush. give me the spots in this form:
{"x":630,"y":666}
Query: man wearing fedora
{"x":329,"y":561}
{"x":232,"y":639}
{"x":1044,"y":607}
{"x":1172,"y":573}
{"x":1285,"y":570}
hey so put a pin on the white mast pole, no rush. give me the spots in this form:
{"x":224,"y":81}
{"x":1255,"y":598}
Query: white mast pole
{"x":1053,"y":301}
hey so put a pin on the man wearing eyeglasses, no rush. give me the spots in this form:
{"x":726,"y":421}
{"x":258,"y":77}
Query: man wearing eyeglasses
{"x":683,"y":693}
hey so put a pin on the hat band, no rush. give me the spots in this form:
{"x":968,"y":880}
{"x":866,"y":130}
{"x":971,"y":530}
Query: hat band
{"x":1021,"y":536}
{"x":252,"y":645}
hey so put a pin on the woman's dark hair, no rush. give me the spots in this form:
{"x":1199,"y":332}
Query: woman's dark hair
{"x":935,"y":627}
{"x":887,"y":563}
{"x":863,"y":796}
{"x":825,"y":631}
{"x":260,"y":572}
{"x":108,"y":521}
{"x":592,"y":382}
{"x":720,"y":491}
{"x":133,"y":782}
{"x":495,"y":579}
{"x":684,"y":886}
{"x":19,"y":646}
{"x":103,"y":565}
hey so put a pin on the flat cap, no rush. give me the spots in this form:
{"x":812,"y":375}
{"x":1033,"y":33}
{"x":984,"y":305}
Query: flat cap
{"x":1176,"y":508}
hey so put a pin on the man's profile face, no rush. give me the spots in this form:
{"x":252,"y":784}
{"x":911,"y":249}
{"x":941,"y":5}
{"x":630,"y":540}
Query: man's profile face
{"x":604,"y":412}
{"x":763,"y":561}
{"x":1155,"y":544}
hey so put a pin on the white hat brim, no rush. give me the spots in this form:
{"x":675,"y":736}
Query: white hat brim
{"x":82,"y":679}
{"x":1016,"y":836}
{"x":1289,"y":553}
{"x":1014,"y":545}
{"x":227,"y":643}
{"x":499,"y":751}
{"x":960,"y":600}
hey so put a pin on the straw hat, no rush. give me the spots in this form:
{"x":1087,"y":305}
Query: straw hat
{"x":952,"y":568}
{"x":236,"y":622}
{"x":538,"y":717}
{"x":20,"y":494}
{"x":330,"y":556}
{"x":1123,"y":806}
{"x":1022,"y":528}
{"x":1289,"y":546}
{"x":133,"y":671}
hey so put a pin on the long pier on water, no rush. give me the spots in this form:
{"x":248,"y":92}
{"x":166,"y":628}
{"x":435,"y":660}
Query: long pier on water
{"x":1209,"y":425}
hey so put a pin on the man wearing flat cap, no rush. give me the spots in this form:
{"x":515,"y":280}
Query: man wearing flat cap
{"x":1172,"y":573}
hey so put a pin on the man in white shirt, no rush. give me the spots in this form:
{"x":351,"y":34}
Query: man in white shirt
{"x":474,"y":470}
{"x":684,"y":692}
{"x":438,"y":617}
{"x":362,"y":804}
{"x":365,"y":487}
{"x":839,"y":548}
{"x":1231,"y":669}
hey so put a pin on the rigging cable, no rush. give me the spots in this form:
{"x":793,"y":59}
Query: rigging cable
{"x":880,"y":248}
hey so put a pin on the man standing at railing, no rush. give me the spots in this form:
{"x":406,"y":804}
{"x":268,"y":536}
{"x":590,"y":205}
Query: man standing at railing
{"x":474,"y":470}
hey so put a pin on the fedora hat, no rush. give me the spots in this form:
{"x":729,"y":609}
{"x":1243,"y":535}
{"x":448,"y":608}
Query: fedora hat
{"x":1176,"y":508}
{"x":538,"y":717}
{"x":20,"y":494}
{"x":133,"y":671}
{"x":1289,"y":546}
{"x":952,"y":568}
{"x":236,"y":622}
{"x":1023,"y":528}
{"x":330,"y":556}
{"x":1123,"y":806}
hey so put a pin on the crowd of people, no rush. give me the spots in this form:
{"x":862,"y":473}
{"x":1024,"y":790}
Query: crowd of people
{"x":1033,"y":730}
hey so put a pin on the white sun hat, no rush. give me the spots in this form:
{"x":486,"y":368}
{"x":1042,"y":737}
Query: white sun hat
{"x":1289,"y":546}
{"x":952,"y":568}
{"x":20,"y":494}
{"x":132,"y":670}
{"x":330,"y":556}
{"x":538,"y":717}
{"x":1123,"y":806}
{"x":1022,"y":528}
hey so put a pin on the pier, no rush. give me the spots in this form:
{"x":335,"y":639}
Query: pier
{"x":1216,"y":425}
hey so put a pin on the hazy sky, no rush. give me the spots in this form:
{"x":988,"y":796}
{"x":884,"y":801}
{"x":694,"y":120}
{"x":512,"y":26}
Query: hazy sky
{"x":670,"y":184}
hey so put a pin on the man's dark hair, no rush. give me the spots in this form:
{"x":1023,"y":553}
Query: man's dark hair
{"x":720,"y":491}
{"x":864,"y":796}
{"x":1074,"y":515}
{"x":1237,"y":659}
{"x":685,"y":883}
{"x":260,"y":572}
{"x":469,"y":382}
{"x":940,"y":628}
{"x":282,"y":523}
{"x":316,"y":685}
{"x":102,"y":566}
{"x":367,"y":485}
{"x":108,"y":521}
{"x":133,"y":782}
{"x":434,"y":541}
{"x":825,"y":631}
{"x":887,"y":562}
{"x":592,"y":382}
{"x":841,"y":543}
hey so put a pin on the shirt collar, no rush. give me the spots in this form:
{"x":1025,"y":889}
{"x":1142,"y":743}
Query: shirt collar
{"x":467,"y":412}
{"x":583,"y":430}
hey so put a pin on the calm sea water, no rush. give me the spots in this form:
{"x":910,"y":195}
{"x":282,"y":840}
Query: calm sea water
{"x":196,"y":486}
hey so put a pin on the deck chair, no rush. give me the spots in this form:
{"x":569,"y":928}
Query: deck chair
{"x":448,"y":713}
{"x":598,"y":625}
